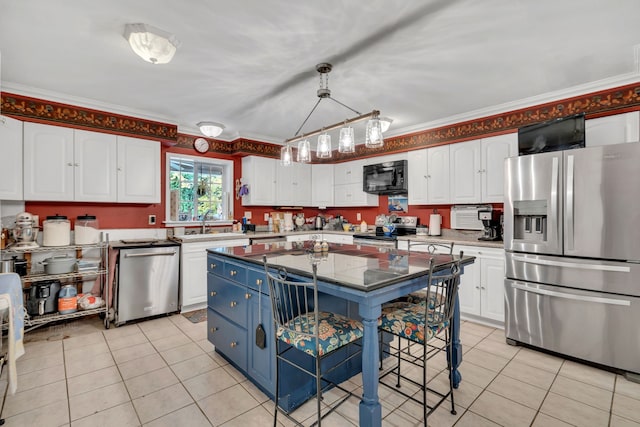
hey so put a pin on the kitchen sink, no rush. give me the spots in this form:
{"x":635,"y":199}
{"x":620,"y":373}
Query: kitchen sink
{"x":207,"y":236}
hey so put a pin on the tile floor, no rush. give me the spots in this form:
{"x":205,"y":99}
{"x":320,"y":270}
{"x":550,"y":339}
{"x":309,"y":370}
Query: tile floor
{"x":163,"y":372}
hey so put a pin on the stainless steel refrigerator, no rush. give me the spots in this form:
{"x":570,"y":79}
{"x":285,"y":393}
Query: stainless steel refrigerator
{"x":572,"y":241}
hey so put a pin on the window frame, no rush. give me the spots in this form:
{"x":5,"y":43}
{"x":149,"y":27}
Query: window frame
{"x":227,"y":188}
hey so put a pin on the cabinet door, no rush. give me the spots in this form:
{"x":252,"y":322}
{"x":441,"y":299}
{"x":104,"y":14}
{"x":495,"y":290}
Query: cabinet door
{"x":11,"y":155}
{"x":494,"y":150}
{"x":285,"y":194}
{"x":492,"y":286}
{"x":438,"y":175}
{"x":417,"y":164}
{"x":465,"y":172}
{"x":261,"y":363}
{"x":302,"y":184}
{"x":48,"y":162}
{"x":322,"y":185}
{"x":259,"y":174}
{"x":138,"y":170}
{"x":95,"y":166}
{"x":614,"y":129}
{"x":193,"y":272}
{"x":352,"y":195}
{"x":348,"y":172}
{"x":469,"y":291}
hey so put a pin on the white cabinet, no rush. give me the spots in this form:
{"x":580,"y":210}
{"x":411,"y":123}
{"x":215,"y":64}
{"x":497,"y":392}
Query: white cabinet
{"x":259,"y":174}
{"x":418,"y":181}
{"x":48,"y":162}
{"x":481,"y":292}
{"x":477,"y":168}
{"x":438,"y":175}
{"x":293,"y":185}
{"x":11,"y":155}
{"x":348,"y":186}
{"x":138,"y":170}
{"x":494,"y":150}
{"x":338,"y":238}
{"x":94,"y":165}
{"x":193,"y":271}
{"x":614,"y":129}
{"x":322,"y":182}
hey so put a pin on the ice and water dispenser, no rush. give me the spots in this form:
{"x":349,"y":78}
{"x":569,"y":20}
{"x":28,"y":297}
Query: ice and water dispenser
{"x":530,"y":220}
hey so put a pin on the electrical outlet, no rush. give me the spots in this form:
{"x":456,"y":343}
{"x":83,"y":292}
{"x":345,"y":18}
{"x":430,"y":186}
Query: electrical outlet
{"x":358,"y":217}
{"x":266,"y":216}
{"x":152,"y":219}
{"x":247,"y":214}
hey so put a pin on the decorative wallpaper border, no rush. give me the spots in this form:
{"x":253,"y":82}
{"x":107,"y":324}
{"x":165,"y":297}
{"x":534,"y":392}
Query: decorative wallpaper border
{"x":24,"y":107}
{"x":605,"y":102}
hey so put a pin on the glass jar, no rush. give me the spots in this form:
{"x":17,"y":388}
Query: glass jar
{"x":56,"y":231}
{"x":86,"y":230}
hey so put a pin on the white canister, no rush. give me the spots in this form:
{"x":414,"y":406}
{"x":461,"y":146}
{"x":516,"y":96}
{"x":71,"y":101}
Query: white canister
{"x":86,"y":230}
{"x":56,"y":231}
{"x":435,"y":221}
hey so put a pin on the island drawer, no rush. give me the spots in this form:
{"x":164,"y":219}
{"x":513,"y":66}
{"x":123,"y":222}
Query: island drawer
{"x":257,"y":280}
{"x":229,"y":339}
{"x":235,"y":272}
{"x":228,"y":299}
{"x":216,"y":266}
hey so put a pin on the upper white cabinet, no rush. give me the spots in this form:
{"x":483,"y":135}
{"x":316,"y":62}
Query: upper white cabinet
{"x":477,"y":168}
{"x":418,"y":181}
{"x":259,"y":174}
{"x":322,"y":182}
{"x":11,"y":155}
{"x":438,"y":175}
{"x":614,"y":129}
{"x":348,"y":186}
{"x":138,"y":170}
{"x":48,"y":162}
{"x":94,"y":166}
{"x":293,"y":185}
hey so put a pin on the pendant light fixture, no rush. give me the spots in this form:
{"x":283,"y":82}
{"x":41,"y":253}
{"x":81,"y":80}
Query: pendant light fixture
{"x":304,"y":151}
{"x":346,"y":143}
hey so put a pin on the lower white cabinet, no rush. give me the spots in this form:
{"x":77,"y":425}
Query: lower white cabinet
{"x":193,"y":271}
{"x":481,"y":292}
{"x":338,"y":238}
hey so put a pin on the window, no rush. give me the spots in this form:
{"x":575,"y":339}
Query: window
{"x":198,"y":186}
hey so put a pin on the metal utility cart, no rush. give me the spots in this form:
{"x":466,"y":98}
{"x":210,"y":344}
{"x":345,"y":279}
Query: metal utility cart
{"x":34,"y":276}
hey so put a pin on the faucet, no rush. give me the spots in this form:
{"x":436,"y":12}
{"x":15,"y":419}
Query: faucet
{"x":204,"y":221}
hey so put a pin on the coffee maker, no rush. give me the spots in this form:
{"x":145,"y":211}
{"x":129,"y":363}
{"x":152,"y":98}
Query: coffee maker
{"x":492,"y":222}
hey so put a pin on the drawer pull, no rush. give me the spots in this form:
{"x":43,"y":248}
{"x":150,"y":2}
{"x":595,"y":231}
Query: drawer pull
{"x":233,"y":344}
{"x":213,"y":293}
{"x":213,"y":330}
{"x":233,"y":272}
{"x":212,"y":265}
{"x":259,"y":282}
{"x":247,"y":295}
{"x":233,"y":304}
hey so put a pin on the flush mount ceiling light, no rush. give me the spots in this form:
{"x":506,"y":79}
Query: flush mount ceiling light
{"x":211,"y":129}
{"x":150,"y":43}
{"x":346,"y":143}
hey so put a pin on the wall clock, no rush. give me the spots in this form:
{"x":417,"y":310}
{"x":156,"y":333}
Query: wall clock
{"x":201,"y":145}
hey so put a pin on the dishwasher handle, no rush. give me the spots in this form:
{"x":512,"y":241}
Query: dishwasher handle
{"x":145,"y":254}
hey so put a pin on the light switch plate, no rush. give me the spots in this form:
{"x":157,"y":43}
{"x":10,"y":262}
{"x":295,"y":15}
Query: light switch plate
{"x":247,"y":214}
{"x":266,"y":216}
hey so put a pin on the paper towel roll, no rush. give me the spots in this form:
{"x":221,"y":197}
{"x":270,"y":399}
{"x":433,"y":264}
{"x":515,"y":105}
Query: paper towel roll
{"x":435,"y":220}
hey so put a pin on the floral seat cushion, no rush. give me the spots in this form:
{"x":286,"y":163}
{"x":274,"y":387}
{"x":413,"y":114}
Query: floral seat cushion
{"x":409,"y":322}
{"x":335,"y":332}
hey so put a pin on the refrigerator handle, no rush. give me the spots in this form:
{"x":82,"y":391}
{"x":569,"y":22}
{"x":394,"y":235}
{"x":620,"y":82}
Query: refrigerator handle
{"x":570,"y":184}
{"x":554,"y":197}
{"x":575,"y":297}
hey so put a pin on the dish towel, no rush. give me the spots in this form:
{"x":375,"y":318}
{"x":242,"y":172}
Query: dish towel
{"x":11,"y":298}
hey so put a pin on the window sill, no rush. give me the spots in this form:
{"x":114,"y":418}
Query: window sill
{"x":196,"y":223}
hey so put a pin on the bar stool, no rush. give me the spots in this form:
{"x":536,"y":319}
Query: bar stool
{"x":300,"y":326}
{"x":427,"y":324}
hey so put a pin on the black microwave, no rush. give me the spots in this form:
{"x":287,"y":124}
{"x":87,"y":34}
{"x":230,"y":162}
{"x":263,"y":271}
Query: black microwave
{"x":385,"y":178}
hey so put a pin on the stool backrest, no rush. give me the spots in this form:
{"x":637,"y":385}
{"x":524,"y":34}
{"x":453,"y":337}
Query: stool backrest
{"x":441,"y":294}
{"x":431,"y":247}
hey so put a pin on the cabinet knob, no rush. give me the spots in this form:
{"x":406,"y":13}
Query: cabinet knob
{"x":76,"y":164}
{"x":213,"y":330}
{"x":213,"y":293}
{"x":259,"y":282}
{"x":424,"y":176}
{"x":483,"y":288}
{"x":428,"y":176}
{"x":247,"y":295}
{"x":233,"y":273}
{"x":69,"y":164}
{"x":477,"y":287}
{"x":233,"y":304}
{"x":212,"y":266}
{"x":233,"y":344}
{"x":479,"y":170}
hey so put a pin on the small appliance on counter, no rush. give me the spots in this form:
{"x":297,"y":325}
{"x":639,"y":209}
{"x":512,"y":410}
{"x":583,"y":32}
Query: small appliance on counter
{"x":319,"y":222}
{"x":25,"y":231}
{"x":492,"y":225}
{"x":299,"y":221}
{"x":43,"y":297}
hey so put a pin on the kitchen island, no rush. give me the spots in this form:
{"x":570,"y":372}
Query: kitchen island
{"x":350,"y":277}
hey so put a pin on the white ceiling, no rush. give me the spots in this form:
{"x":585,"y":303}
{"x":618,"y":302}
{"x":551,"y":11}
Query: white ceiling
{"x":250,"y":64}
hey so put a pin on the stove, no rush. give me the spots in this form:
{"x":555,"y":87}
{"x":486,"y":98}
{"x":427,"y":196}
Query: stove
{"x":405,"y":226}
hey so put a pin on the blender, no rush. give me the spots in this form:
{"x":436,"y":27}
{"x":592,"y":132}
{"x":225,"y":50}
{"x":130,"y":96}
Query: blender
{"x":25,"y":231}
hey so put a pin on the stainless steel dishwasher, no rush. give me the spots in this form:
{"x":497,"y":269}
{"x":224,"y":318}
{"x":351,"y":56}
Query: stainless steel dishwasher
{"x":147,"y":279}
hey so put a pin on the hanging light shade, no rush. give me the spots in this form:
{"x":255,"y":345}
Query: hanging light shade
{"x":323,"y":150}
{"x":347,"y":141}
{"x":374,"y":134}
{"x":150,"y":43}
{"x":286,"y":156}
{"x":304,"y":151}
{"x":210,"y":129}
{"x":385,"y":122}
